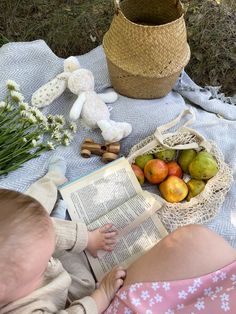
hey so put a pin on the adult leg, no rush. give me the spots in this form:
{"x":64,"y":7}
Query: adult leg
{"x":188,"y":252}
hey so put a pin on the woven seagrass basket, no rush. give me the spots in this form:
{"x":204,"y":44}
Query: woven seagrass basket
{"x":146,"y":47}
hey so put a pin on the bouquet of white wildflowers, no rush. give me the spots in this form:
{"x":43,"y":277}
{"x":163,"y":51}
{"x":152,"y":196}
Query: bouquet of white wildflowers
{"x":25,"y":132}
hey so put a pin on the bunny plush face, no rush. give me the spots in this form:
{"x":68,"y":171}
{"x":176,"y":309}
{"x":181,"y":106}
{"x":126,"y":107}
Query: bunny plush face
{"x":81,"y":80}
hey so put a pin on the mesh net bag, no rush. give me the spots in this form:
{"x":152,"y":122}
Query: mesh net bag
{"x":146,"y":47}
{"x":204,"y":206}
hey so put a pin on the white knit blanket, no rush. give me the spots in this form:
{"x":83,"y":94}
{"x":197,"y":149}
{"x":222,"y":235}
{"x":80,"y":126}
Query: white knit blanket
{"x":32,"y":64}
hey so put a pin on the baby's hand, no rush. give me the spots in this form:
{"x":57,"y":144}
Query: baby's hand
{"x":108,"y":288}
{"x":103,"y":238}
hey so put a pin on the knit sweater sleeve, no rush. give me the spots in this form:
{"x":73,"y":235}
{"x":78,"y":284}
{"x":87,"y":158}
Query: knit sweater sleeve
{"x":87,"y":305}
{"x":70,"y":235}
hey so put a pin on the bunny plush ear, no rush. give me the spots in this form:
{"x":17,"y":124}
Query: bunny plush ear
{"x":47,"y":93}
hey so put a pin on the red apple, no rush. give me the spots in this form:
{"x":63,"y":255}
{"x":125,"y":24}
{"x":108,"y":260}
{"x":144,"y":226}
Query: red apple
{"x":173,"y":189}
{"x":174,"y":169}
{"x":155,"y":171}
{"x":139,"y":173}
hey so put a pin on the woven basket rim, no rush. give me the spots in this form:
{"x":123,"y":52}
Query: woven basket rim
{"x":150,"y":26}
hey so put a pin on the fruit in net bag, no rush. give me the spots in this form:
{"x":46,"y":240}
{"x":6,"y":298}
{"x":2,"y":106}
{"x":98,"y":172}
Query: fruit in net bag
{"x":203,"y":166}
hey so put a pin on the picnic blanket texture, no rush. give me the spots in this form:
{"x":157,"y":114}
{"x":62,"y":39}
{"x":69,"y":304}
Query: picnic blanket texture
{"x":32,"y":64}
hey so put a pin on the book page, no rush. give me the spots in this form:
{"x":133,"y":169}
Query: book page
{"x":130,"y":247}
{"x":96,"y":194}
{"x":130,"y":214}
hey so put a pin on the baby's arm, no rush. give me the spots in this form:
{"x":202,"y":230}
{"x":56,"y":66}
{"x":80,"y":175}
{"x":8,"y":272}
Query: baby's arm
{"x":101,"y":297}
{"x":74,"y":236}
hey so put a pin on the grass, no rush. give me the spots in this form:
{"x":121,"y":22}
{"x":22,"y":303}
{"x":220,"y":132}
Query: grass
{"x":73,"y":27}
{"x":212,"y":38}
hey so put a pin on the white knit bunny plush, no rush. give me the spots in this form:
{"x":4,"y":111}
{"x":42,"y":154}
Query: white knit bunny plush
{"x":89,"y":106}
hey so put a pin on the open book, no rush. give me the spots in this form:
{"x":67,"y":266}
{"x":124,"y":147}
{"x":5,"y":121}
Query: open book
{"x":113,"y":194}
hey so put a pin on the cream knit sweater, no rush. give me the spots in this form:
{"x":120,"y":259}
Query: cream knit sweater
{"x":52,"y":295}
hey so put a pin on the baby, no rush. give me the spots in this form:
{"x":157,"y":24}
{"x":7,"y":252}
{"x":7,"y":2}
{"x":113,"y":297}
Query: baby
{"x":31,"y":280}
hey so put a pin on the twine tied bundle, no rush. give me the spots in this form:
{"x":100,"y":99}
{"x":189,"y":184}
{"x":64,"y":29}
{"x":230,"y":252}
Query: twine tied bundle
{"x":146,"y":47}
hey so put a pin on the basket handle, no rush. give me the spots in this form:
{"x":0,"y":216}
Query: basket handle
{"x":160,"y":133}
{"x":117,"y":5}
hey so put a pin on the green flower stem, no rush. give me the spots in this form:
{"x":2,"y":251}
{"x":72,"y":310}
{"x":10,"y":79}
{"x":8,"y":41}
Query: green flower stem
{"x":9,"y":116}
{"x":16,"y":166}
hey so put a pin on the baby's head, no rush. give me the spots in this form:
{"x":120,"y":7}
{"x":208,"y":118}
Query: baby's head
{"x":26,"y":244}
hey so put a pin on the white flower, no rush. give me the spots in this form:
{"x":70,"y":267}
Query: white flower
{"x":136,"y":301}
{"x":215,"y":278}
{"x":23,"y":106}
{"x":208,"y":292}
{"x":123,"y":295}
{"x":3,"y":104}
{"x":158,"y":298}
{"x":38,"y":114}
{"x":132,"y":288}
{"x":169,"y":312}
{"x":69,"y":136}
{"x":166,"y":286}
{"x":197,"y":282}
{"x":155,"y":286}
{"x":145,"y":295}
{"x":200,"y":305}
{"x":50,"y":145}
{"x":24,"y":140}
{"x":12,"y":85}
{"x":50,"y":118}
{"x":127,"y":311}
{"x":182,"y":294}
{"x":148,"y":312}
{"x":56,"y":135}
{"x":192,"y":289}
{"x":225,"y":306}
{"x":56,"y":126}
{"x":223,"y":276}
{"x":16,"y":96}
{"x":59,"y":119}
{"x":31,"y":118}
{"x":66,"y":142}
{"x":34,"y":143}
{"x":233,"y":278}
{"x":24,"y":113}
{"x":73,"y":127}
{"x":224,"y":297}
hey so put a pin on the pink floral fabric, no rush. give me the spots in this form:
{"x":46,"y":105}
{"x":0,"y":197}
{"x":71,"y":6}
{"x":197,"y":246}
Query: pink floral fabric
{"x":212,"y":294}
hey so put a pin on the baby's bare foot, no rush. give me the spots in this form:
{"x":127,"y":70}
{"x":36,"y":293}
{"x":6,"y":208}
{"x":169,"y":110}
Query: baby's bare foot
{"x":104,"y":238}
{"x":108,"y":288}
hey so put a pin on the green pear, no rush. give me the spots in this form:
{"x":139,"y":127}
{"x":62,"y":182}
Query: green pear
{"x":141,"y":161}
{"x":203,"y":166}
{"x":195,"y":187}
{"x":185,"y":158}
{"x":166,"y":155}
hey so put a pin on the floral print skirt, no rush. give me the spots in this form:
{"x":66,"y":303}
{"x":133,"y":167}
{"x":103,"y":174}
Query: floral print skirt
{"x":212,"y":294}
